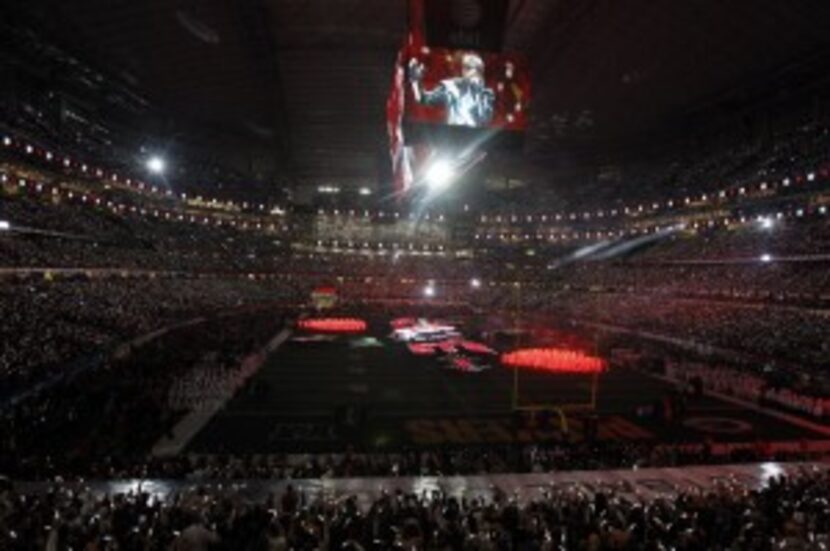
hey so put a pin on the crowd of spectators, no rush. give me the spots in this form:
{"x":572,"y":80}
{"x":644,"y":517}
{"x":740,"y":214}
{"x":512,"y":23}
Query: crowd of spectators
{"x":759,"y":291}
{"x":232,"y":356}
{"x":444,"y":461}
{"x":470,"y":460}
{"x":804,"y":399}
{"x":60,"y":235}
{"x":804,"y":284}
{"x":788,"y":512}
{"x":715,"y":289}
{"x":684,"y":170}
{"x":707,"y":167}
{"x":777,"y":237}
{"x":132,"y":399}
{"x":50,"y":322}
{"x":787,"y":338}
{"x":732,"y":301}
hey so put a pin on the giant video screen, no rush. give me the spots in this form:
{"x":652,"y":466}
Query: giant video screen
{"x":467,"y":88}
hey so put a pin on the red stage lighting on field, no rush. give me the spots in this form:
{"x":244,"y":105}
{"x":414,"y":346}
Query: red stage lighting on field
{"x":333,"y":325}
{"x":325,"y":290}
{"x":400,"y":323}
{"x":554,"y":360}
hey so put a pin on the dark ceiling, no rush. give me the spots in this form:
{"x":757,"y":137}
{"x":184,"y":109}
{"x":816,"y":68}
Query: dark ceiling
{"x":310,"y":77}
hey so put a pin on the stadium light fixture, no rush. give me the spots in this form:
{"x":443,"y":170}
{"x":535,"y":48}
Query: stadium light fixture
{"x":439,"y":174}
{"x":156,"y":165}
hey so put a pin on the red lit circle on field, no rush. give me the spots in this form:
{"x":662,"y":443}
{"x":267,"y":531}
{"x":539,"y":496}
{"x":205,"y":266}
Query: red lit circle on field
{"x":333,"y":325}
{"x":554,"y":360}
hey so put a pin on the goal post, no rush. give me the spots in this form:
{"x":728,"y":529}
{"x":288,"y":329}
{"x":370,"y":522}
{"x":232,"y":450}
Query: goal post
{"x":595,"y":365}
{"x":589,"y":404}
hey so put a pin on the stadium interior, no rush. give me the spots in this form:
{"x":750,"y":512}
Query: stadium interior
{"x":414,"y":274}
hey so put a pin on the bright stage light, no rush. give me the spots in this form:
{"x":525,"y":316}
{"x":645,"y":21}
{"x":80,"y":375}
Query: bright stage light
{"x":4,"y":225}
{"x":439,"y":175}
{"x":767,"y":223}
{"x":365,"y":191}
{"x":429,"y":291}
{"x":475,"y":283}
{"x":155,"y":165}
{"x":766,"y":257}
{"x":770,"y":470}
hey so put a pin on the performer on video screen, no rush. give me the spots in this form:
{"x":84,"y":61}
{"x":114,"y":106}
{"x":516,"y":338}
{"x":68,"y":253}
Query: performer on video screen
{"x":466,"y":98}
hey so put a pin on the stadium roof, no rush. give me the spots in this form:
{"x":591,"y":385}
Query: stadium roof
{"x":309,"y":78}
